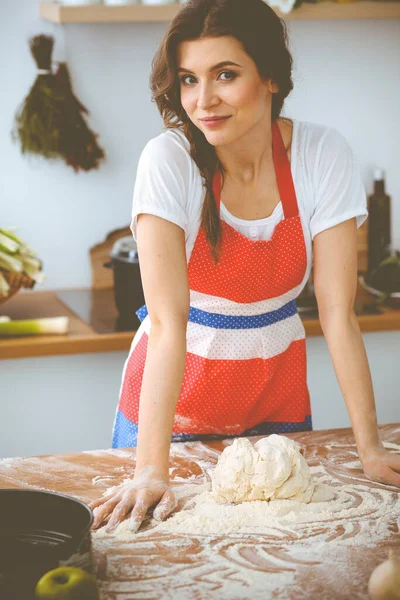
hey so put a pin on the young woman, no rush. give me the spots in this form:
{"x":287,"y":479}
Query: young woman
{"x":230,"y":203}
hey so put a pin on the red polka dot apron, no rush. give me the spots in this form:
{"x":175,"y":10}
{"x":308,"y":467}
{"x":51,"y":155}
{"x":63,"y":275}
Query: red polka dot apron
{"x":245,"y":369}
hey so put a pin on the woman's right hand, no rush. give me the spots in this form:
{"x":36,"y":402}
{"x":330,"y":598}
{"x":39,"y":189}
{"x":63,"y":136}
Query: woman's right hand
{"x":146,"y":489}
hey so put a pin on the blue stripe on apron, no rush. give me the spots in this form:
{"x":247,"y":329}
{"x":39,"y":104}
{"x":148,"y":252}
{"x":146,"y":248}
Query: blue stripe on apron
{"x":126,"y":433}
{"x":217,"y":321}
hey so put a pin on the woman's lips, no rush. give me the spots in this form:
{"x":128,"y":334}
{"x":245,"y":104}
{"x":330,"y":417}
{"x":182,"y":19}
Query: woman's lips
{"x":212,"y":123}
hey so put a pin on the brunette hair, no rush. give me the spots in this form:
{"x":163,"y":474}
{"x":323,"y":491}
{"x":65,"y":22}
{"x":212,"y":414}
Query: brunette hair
{"x":263,"y":36}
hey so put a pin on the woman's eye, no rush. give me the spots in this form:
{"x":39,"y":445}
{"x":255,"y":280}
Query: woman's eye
{"x":231,"y":74}
{"x":185,"y":77}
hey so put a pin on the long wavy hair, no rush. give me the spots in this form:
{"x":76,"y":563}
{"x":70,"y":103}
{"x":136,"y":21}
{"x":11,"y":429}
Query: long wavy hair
{"x":263,"y":36}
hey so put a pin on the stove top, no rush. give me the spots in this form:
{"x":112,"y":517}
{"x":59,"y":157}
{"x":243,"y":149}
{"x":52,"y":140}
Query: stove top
{"x":97,"y":308}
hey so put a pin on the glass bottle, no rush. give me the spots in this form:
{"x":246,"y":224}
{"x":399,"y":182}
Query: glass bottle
{"x":379,"y":222}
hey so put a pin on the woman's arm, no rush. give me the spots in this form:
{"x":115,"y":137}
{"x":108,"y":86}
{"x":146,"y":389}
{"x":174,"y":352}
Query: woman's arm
{"x":335,"y":283}
{"x":163,"y":266}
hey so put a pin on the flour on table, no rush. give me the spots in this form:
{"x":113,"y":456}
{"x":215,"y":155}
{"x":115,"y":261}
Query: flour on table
{"x":256,"y":549}
{"x":273,"y":468}
{"x":242,"y":482}
{"x":358,"y":511}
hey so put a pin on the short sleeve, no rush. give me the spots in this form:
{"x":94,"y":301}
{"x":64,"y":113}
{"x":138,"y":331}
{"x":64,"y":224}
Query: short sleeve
{"x":162,"y":181}
{"x":338,"y":187}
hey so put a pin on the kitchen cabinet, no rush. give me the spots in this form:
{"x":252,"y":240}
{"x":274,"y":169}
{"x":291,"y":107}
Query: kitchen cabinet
{"x":137,"y":13}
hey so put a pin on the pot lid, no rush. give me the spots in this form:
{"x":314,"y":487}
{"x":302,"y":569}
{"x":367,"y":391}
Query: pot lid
{"x":125,"y":249}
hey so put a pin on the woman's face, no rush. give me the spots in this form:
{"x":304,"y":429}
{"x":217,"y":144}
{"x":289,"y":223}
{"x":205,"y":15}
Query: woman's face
{"x":209,"y":88}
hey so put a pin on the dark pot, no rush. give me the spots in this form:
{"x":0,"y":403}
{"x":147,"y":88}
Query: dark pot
{"x":40,"y":531}
{"x":128,"y":291}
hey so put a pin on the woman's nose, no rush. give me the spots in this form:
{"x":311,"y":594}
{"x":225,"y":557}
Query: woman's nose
{"x":207,"y":96}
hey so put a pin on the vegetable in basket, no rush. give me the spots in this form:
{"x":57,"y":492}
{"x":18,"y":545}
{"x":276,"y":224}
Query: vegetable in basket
{"x":18,"y":260}
{"x":16,"y":257}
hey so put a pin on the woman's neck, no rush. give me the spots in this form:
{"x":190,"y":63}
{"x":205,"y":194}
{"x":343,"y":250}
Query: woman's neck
{"x":249,"y":157}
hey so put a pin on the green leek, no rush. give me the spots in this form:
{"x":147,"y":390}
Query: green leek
{"x":10,"y":263}
{"x":17,"y":257}
{"x":54,"y":325}
{"x":4,"y":287}
{"x":30,"y":261}
{"x":7,"y":244}
{"x":34,"y":274}
{"x":10,"y":234}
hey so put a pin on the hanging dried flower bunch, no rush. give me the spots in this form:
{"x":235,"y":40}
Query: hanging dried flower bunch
{"x":51,"y":121}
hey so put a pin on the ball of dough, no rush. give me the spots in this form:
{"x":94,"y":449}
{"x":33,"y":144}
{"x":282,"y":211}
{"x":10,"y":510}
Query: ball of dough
{"x":273,"y":468}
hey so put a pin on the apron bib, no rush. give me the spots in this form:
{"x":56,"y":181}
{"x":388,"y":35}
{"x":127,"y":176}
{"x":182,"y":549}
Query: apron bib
{"x":246,"y":354}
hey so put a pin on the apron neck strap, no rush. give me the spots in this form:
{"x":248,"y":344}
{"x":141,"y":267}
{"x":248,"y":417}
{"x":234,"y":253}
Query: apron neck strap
{"x":283,"y":175}
{"x":217,"y":184}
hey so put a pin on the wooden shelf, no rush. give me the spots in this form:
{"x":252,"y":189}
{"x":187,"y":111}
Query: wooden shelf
{"x":137,"y":13}
{"x":99,"y":13}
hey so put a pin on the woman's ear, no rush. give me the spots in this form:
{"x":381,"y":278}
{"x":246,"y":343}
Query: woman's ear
{"x":273,"y":87}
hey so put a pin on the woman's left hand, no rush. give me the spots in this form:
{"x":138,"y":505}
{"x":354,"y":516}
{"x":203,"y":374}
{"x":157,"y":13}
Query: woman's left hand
{"x":383,"y":466}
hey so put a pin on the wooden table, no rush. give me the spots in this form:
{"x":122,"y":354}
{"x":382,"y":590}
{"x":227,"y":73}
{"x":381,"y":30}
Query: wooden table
{"x":325,"y":560}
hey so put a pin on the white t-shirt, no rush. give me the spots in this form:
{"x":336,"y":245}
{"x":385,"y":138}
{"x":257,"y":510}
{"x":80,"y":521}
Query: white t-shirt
{"x":325,"y":172}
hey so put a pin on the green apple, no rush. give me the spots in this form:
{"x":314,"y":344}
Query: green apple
{"x":67,"y":583}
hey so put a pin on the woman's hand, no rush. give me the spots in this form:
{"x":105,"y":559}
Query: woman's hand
{"x":146,"y":489}
{"x":380,"y":465}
